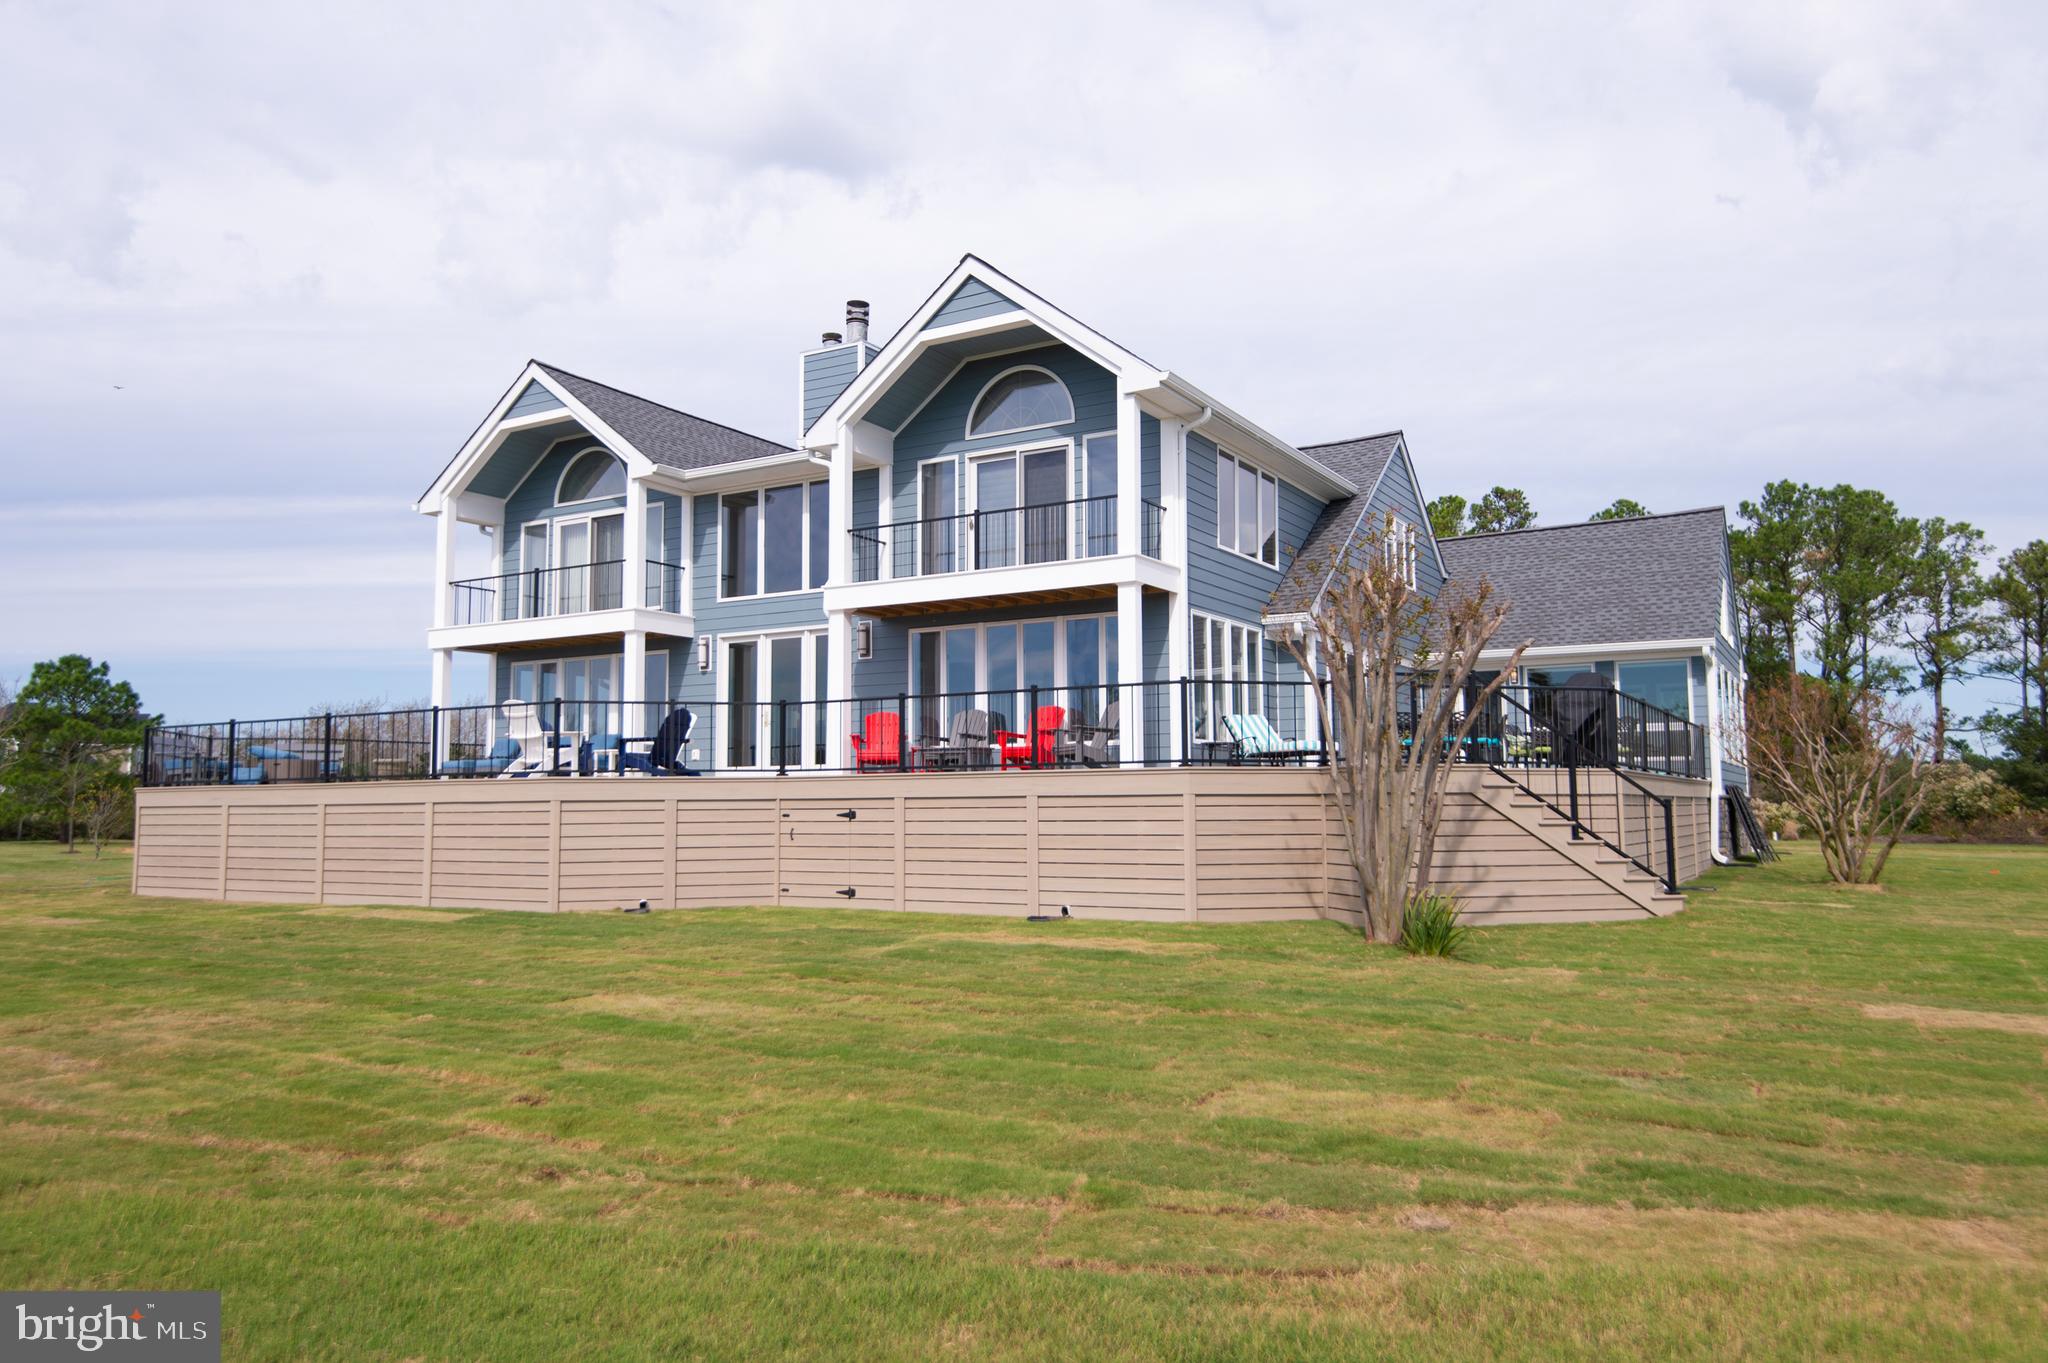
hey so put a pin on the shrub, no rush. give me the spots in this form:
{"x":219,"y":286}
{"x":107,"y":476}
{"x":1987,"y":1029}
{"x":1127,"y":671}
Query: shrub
{"x":1775,"y":816}
{"x":1430,"y":926}
{"x":1959,"y":795}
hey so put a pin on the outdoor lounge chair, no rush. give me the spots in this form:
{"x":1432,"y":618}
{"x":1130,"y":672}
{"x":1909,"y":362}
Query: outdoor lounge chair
{"x":282,"y":764}
{"x":666,"y":751}
{"x":490,"y":764}
{"x":966,"y":747}
{"x":1089,"y":744}
{"x":1039,"y":747}
{"x":536,"y":745}
{"x":879,"y":744}
{"x":1257,"y":741}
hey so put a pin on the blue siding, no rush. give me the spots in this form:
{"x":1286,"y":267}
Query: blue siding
{"x":1224,"y":583}
{"x":1148,"y":457}
{"x":507,"y":468}
{"x":867,"y":498}
{"x":1396,"y":494}
{"x":939,"y":429}
{"x":534,"y":399}
{"x":825,"y":377}
{"x":534,"y":498}
{"x":970,"y":302}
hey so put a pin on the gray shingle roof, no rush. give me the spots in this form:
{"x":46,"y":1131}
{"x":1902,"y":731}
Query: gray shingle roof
{"x":1602,"y":582}
{"x":1360,"y":462}
{"x":666,"y":436}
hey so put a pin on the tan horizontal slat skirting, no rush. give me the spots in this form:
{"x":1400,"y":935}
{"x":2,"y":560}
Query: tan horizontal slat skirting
{"x":1219,"y":844}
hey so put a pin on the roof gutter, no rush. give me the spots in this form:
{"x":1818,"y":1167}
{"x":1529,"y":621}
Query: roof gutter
{"x":1335,"y":485}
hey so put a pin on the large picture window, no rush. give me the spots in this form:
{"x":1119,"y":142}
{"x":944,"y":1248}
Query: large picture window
{"x":1071,"y":660}
{"x":1247,"y":510}
{"x":1665,"y":683}
{"x":1230,"y":659}
{"x":773,"y":541}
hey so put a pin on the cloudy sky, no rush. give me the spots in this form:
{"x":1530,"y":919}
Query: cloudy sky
{"x":262,"y":271}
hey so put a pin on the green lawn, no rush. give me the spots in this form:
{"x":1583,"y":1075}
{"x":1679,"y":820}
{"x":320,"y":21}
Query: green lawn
{"x":1791,"y":1122}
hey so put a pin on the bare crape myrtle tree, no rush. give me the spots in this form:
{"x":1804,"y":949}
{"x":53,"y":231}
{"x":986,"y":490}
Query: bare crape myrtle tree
{"x":1398,"y":662}
{"x":1848,"y":760}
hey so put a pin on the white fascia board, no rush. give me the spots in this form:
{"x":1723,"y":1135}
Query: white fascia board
{"x":1594,"y":652}
{"x":1309,"y":475}
{"x":497,"y":426}
{"x":741,"y":473}
{"x":477,"y":509}
{"x":968,"y":588}
{"x":911,"y":339}
{"x":550,"y":628}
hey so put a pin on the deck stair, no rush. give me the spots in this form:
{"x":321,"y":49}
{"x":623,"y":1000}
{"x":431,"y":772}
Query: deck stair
{"x":1509,"y":853}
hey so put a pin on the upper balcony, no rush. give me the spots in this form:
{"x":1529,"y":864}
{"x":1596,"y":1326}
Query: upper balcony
{"x":579,"y":600}
{"x":1004,"y":539}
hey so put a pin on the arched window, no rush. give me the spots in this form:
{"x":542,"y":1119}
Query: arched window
{"x":592,"y":475}
{"x":1018,"y":400}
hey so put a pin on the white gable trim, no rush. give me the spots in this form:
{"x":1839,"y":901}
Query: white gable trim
{"x":484,"y":442}
{"x":912,"y":339}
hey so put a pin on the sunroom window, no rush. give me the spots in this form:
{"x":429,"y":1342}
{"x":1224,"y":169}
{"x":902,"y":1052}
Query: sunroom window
{"x":1020,"y":400}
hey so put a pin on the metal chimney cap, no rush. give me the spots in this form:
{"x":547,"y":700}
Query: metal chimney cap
{"x":856,"y":307}
{"x":830,"y":338}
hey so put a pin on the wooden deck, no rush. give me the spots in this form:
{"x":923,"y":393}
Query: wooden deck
{"x":1213,"y":845}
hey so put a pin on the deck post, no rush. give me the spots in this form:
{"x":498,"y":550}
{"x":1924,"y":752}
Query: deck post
{"x":1670,"y":848}
{"x":327,"y":746}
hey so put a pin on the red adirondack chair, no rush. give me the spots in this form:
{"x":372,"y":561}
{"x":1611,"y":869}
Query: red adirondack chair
{"x":1018,"y":748}
{"x":880,"y":744}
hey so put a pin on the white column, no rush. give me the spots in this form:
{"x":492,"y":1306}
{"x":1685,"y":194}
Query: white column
{"x":686,"y":536}
{"x":1130,"y":663}
{"x":1177,"y":657}
{"x":633,"y":574}
{"x":838,"y":688}
{"x":443,"y":685}
{"x":444,"y":675}
{"x":1312,"y":712}
{"x":444,"y":561}
{"x":1130,"y":491}
{"x":839,"y":497}
{"x":634,"y":721}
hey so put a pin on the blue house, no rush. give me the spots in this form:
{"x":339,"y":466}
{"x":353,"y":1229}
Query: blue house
{"x":998,"y":510}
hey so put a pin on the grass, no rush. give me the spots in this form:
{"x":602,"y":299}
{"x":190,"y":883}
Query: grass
{"x":1792,"y":1122}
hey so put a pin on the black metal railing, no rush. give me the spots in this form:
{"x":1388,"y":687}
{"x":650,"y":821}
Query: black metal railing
{"x":1152,"y":535}
{"x":1217,"y":721}
{"x":570,"y":590}
{"x":1049,"y":532}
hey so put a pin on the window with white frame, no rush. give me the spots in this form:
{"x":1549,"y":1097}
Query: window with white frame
{"x":1400,"y":549}
{"x":1247,"y":510}
{"x":1230,"y":659}
{"x":590,"y":476}
{"x":1020,"y":399}
{"x":772,"y":541}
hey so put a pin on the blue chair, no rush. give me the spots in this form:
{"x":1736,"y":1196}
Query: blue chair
{"x":666,"y":751}
{"x":490,"y":764}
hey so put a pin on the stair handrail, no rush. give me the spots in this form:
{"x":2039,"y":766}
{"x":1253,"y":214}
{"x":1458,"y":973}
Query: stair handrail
{"x":1669,"y":877}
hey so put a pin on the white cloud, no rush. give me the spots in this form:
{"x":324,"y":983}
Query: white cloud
{"x":1667,"y":252}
